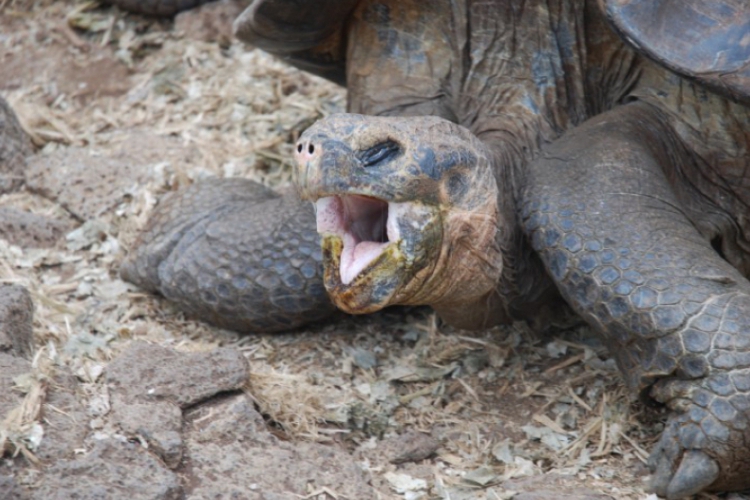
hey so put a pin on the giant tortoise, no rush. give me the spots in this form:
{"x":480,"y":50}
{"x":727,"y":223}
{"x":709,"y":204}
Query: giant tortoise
{"x":507,"y":160}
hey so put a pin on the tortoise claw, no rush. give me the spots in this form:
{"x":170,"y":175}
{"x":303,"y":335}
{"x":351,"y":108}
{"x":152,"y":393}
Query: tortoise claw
{"x":662,"y":461}
{"x":677,"y":472}
{"x":697,"y":471}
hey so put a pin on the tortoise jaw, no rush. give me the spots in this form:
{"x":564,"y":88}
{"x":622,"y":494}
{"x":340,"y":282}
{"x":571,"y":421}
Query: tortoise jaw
{"x":371,"y":249}
{"x":365,"y":226}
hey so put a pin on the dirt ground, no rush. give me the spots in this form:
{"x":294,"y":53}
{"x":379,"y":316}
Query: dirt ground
{"x":123,"y":109}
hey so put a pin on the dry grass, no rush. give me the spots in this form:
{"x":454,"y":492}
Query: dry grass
{"x":21,"y":430}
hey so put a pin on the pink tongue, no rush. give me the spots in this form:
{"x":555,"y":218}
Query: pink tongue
{"x":354,"y":258}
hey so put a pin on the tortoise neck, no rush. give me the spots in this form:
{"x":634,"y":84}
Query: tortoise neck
{"x":521,"y":281}
{"x":523,"y":82}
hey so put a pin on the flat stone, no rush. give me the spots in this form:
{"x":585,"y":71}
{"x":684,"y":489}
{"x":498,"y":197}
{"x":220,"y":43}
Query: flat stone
{"x":29,"y":230}
{"x":159,"y":423}
{"x":16,"y":316}
{"x":51,"y":62}
{"x":149,"y":373}
{"x":409,"y":447}
{"x":89,"y":182}
{"x":232,"y":455}
{"x":111,"y":470}
{"x":239,"y":421}
{"x":552,"y":486}
{"x":64,"y":420}
{"x":15,"y":146}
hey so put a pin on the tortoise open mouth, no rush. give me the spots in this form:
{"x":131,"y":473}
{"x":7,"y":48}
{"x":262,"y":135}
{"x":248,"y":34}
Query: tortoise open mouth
{"x":367,"y":227}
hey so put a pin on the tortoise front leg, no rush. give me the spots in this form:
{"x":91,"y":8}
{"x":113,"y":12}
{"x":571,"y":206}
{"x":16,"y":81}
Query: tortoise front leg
{"x":235,"y":254}
{"x":599,"y":209}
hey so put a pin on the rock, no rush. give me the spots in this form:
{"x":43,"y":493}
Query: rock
{"x":552,"y":486}
{"x":150,"y":384}
{"x":15,"y":146}
{"x":10,"y":367}
{"x":51,"y":62}
{"x":159,"y":424}
{"x":111,"y":470}
{"x":64,"y":420}
{"x":232,"y":455}
{"x":68,"y":67}
{"x":89,"y":182}
{"x":239,"y":422}
{"x":84,"y":184}
{"x":409,"y":447}
{"x":16,"y":315}
{"x":149,"y":373}
{"x":29,"y":230}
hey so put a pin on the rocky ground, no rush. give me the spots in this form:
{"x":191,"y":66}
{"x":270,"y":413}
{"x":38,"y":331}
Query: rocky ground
{"x":109,"y":392}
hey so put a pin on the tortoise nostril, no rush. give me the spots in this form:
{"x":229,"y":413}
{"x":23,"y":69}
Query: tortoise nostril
{"x":311,"y":149}
{"x":299,"y":147}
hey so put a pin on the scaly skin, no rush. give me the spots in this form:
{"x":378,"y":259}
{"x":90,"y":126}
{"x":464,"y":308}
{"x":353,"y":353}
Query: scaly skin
{"x":443,"y":201}
{"x":675,"y":315}
{"x":208,"y":250}
{"x":625,"y":257}
{"x":620,"y":211}
{"x":619,"y":217}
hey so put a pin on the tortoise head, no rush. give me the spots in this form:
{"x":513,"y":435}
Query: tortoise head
{"x":407,"y":209}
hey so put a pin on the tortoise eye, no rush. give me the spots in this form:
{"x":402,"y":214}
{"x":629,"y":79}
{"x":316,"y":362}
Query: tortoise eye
{"x":379,"y":153}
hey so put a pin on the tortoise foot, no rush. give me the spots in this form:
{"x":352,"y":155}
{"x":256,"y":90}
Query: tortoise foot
{"x":233,"y":253}
{"x":696,"y":470}
{"x":703,"y":446}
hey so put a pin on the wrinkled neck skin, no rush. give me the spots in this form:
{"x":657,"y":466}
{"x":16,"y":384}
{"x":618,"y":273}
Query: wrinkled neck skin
{"x":471,"y":299}
{"x":491,"y":276}
{"x":517,"y":75}
{"x":462,"y":286}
